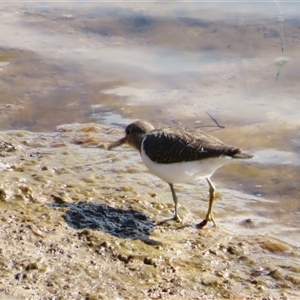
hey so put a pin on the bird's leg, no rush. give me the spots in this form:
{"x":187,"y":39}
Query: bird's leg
{"x":175,"y":199}
{"x":209,"y":215}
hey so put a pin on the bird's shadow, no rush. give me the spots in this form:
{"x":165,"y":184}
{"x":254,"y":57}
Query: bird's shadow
{"x":122,"y":223}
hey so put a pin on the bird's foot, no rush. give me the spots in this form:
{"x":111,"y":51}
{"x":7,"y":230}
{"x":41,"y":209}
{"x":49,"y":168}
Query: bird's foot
{"x":174,"y":218}
{"x":209,"y":218}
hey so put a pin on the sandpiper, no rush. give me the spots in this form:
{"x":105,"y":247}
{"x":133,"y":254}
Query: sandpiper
{"x":179,"y":155}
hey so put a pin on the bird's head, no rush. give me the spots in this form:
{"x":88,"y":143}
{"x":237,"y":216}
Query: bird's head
{"x":134,"y":134}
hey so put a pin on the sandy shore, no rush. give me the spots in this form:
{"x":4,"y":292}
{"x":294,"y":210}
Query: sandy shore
{"x":75,"y":225}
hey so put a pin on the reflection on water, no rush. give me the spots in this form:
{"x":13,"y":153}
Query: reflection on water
{"x":167,"y":63}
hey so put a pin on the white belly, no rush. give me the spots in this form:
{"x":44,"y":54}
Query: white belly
{"x":183,"y":172}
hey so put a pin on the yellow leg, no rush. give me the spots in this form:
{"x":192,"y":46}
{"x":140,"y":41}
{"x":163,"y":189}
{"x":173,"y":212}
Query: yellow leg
{"x":209,"y":215}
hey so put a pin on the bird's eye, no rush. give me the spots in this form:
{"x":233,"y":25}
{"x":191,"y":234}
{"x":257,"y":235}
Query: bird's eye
{"x":127,"y":131}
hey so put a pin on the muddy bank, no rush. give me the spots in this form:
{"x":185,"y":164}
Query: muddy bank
{"x":79,"y":222}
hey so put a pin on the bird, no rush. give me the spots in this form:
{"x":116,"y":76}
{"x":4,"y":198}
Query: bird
{"x":178,"y":154}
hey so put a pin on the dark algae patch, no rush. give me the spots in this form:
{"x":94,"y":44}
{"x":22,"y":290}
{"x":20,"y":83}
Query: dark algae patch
{"x":115,"y":221}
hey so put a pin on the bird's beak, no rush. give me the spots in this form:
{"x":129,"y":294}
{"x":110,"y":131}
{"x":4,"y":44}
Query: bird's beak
{"x":117,"y":143}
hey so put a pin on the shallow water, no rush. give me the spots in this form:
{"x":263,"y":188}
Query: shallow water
{"x":169,"y":63}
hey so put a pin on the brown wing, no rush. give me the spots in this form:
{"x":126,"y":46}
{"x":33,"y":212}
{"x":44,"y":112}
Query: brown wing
{"x":177,"y":144}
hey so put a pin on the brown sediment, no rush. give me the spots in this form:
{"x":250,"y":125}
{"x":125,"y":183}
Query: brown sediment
{"x":71,"y":225}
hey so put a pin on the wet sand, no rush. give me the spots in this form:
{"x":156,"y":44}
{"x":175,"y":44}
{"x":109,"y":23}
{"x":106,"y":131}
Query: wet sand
{"x":75,"y":226}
